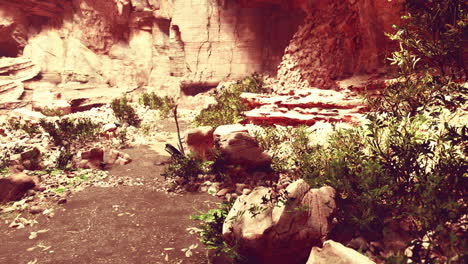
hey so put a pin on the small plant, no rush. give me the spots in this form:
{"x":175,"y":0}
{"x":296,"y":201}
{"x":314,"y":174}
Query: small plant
{"x":50,"y":111}
{"x":229,"y":107}
{"x":60,"y":189}
{"x":64,"y":159}
{"x":210,"y":231}
{"x":67,"y":132}
{"x":125,"y":112}
{"x":122,"y":137}
{"x":186,"y":167}
{"x":165,"y":104}
{"x":27,"y":126}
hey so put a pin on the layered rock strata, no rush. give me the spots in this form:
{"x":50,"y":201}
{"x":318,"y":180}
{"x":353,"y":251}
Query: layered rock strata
{"x":304,"y":107}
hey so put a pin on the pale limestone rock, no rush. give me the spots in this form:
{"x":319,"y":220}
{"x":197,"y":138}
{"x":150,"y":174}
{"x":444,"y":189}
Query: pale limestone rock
{"x":305,"y":107}
{"x":336,"y":253}
{"x":200,"y":140}
{"x":94,"y":157}
{"x":27,"y":114}
{"x":13,"y":31}
{"x":242,"y":149}
{"x":284,"y":233}
{"x":329,"y":47}
{"x":228,"y":129}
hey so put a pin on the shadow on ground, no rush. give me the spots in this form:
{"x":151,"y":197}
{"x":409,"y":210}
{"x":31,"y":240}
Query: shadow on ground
{"x":123,"y":224}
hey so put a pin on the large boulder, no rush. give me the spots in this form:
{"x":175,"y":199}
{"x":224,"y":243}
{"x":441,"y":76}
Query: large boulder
{"x":242,"y":149}
{"x":283,"y":232}
{"x":92,"y":159}
{"x":228,"y":129}
{"x":336,"y":253}
{"x":13,"y":71}
{"x":13,"y":187}
{"x":200,"y":140}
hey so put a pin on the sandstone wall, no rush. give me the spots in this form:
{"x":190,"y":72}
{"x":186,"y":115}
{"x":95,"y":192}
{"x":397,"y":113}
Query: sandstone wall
{"x":338,"y":39}
{"x":194,"y":44}
{"x":163,"y":44}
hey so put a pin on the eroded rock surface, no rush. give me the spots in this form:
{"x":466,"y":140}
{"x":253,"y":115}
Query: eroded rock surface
{"x":338,"y":39}
{"x":284,"y":233}
{"x":15,"y":186}
{"x":167,"y":46}
{"x":13,"y":71}
{"x":243,"y":149}
{"x":304,"y":107}
{"x":334,"y":252}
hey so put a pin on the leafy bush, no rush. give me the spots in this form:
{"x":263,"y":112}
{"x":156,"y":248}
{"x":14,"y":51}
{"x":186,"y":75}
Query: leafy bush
{"x":64,"y":159}
{"x":186,"y":167}
{"x":435,"y":31}
{"x":164,"y":104}
{"x":211,"y":229}
{"x":228,"y":108}
{"x":49,"y":111}
{"x":413,"y":169}
{"x":27,"y":126}
{"x":66,"y":132}
{"x":409,"y":162}
{"x":125,"y":112}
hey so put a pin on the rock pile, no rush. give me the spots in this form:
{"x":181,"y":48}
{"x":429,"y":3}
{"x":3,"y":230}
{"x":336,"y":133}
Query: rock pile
{"x":304,"y":107}
{"x":14,"y":187}
{"x":285,"y":231}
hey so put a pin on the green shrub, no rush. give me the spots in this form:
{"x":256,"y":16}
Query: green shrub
{"x":186,"y":167}
{"x":50,"y":111}
{"x":125,"y":112}
{"x":27,"y":126}
{"x":164,"y":104}
{"x":409,"y":169}
{"x":435,"y":33}
{"x":211,"y":229}
{"x":229,"y":107}
{"x":64,"y":159}
{"x":66,"y":132}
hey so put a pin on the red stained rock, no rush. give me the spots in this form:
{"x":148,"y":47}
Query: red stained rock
{"x":200,"y":140}
{"x":13,"y":187}
{"x":304,"y":107}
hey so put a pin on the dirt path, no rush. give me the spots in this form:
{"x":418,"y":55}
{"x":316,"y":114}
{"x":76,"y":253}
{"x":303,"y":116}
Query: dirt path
{"x":124,"y":224}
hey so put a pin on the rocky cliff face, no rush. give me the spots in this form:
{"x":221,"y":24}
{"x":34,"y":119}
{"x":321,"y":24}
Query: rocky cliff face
{"x":338,"y":39}
{"x":193,"y":44}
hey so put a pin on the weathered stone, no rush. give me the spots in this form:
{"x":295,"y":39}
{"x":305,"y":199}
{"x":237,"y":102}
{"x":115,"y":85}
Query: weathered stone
{"x":304,"y":107}
{"x":243,"y":149}
{"x":13,"y":187}
{"x":246,"y":191}
{"x":109,"y":128}
{"x":283,"y":233}
{"x":228,"y":129}
{"x":13,"y":71}
{"x":13,"y":31}
{"x":222,"y":192}
{"x":31,"y":159}
{"x":94,"y":157}
{"x":122,"y":161}
{"x":36,"y":209}
{"x":200,"y":140}
{"x":334,"y":252}
{"x":27,"y":114}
